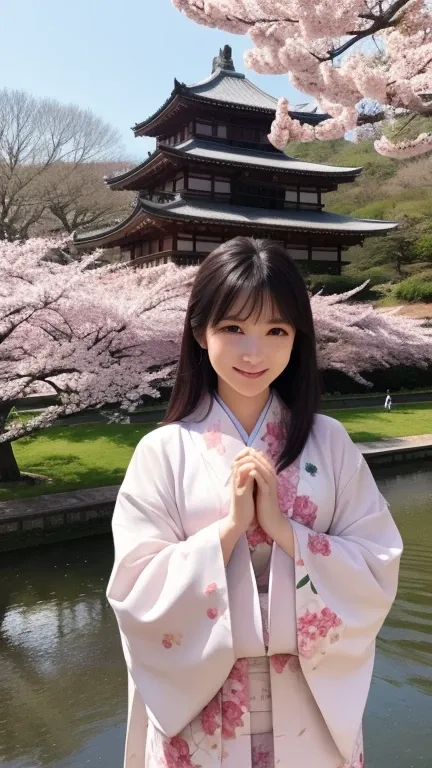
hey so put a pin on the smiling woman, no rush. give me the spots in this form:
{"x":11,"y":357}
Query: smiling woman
{"x":240,"y":527}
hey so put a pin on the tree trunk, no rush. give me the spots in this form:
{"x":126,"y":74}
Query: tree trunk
{"x":9,"y":470}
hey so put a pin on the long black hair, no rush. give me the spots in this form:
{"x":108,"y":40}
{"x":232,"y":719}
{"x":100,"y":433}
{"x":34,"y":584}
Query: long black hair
{"x":261,"y":269}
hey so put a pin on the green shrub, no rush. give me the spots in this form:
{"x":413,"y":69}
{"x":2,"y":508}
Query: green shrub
{"x":413,"y":289}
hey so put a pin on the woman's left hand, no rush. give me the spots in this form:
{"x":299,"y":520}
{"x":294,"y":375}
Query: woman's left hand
{"x":267,"y":505}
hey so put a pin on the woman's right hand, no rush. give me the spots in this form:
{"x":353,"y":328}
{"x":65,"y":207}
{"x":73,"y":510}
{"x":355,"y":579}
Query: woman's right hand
{"x":242,"y":509}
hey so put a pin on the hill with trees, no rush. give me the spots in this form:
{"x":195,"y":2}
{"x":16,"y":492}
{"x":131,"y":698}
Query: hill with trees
{"x":397,"y":190}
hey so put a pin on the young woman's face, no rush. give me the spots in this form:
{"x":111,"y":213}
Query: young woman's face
{"x":257,"y":344}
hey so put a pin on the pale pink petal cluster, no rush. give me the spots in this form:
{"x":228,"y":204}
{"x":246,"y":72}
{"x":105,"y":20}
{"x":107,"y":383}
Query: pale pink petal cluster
{"x":176,"y":753}
{"x":235,"y":699}
{"x":319,"y":544}
{"x":343,"y":52}
{"x":211,"y":716}
{"x":304,"y":511}
{"x":313,"y":627}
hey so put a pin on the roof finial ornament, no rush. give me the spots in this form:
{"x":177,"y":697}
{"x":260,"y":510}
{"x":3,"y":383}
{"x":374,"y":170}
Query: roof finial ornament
{"x":224,"y":60}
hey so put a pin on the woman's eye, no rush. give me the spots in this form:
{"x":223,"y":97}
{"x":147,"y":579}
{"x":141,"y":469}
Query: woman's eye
{"x":230,"y":328}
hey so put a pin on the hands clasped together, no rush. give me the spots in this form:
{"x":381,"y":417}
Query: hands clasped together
{"x":252,"y":466}
{"x":246,"y":508}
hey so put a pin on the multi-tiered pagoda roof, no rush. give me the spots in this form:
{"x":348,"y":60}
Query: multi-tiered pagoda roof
{"x":214,"y":175}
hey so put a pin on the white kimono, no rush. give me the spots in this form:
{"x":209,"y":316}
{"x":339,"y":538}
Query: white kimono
{"x":188,"y":625}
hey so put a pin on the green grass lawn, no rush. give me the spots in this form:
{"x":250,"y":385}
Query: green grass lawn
{"x":93,"y":455}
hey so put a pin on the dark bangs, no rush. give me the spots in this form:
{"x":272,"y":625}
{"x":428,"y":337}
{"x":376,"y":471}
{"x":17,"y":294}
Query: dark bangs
{"x":264,"y":272}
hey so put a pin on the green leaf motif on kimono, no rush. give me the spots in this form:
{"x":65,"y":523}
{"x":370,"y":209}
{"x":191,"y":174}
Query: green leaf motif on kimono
{"x":311,"y":468}
{"x":313,"y":589}
{"x":303,"y":582}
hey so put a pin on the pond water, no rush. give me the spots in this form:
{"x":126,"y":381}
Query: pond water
{"x":62,"y":674}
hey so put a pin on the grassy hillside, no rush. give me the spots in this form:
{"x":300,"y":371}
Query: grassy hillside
{"x":395,"y":190}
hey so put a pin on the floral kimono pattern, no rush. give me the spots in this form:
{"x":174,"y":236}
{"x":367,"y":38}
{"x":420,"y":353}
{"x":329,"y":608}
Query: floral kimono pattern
{"x":191,"y":628}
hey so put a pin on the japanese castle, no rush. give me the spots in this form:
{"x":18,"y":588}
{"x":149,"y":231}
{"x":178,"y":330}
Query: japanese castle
{"x":214,"y":175}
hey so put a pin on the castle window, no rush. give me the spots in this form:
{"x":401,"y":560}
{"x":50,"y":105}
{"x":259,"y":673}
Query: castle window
{"x":202,"y":183}
{"x":222,"y":186}
{"x":205,"y":129}
{"x":298,"y":253}
{"x":206,"y":244}
{"x":185,"y":242}
{"x":222,"y":131}
{"x":309,"y":196}
{"x":325,"y":254}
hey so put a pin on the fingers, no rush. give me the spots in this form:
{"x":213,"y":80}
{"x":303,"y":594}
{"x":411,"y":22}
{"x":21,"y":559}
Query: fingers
{"x":262,"y":484}
{"x":258,"y":457}
{"x":242,"y":473}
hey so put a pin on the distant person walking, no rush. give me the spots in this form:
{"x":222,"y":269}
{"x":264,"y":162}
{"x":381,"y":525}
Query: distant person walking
{"x":388,"y":401}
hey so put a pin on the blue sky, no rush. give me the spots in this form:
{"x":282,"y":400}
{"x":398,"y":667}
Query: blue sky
{"x":116,"y":57}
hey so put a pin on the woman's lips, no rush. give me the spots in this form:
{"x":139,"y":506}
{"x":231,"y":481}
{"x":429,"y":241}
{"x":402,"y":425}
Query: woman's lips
{"x":250,"y":375}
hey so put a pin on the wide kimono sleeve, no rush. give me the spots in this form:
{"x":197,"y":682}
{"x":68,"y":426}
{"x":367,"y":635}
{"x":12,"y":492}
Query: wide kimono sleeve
{"x":168,"y":593}
{"x":346,"y":582}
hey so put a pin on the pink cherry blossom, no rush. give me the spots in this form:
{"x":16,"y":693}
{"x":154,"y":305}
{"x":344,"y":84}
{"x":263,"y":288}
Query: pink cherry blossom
{"x":236,"y":687}
{"x":319,"y":544}
{"x":304,"y":511}
{"x":323,"y":47}
{"x":176,"y":753}
{"x":212,"y":613}
{"x":274,"y":437}
{"x":213,"y":438}
{"x":261,"y":756}
{"x":280,"y":660}
{"x":169,"y":639}
{"x":210,"y":589}
{"x":313,"y":627}
{"x":256,"y":535}
{"x":287,"y":482}
{"x":211,"y":716}
{"x":232,"y":718}
{"x":97,"y":336}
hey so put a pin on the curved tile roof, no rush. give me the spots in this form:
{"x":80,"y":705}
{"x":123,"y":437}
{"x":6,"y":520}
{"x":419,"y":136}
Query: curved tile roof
{"x":182,"y":209}
{"x":233,"y":88}
{"x":273,"y":160}
{"x":322,"y":221}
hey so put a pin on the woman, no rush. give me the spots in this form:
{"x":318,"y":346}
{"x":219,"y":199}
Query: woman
{"x":255,"y":559}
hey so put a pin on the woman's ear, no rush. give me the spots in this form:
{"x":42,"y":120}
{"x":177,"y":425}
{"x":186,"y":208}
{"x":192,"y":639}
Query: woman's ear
{"x":200,"y":337}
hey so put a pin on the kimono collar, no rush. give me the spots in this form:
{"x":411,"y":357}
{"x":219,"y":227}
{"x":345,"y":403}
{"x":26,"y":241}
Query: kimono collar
{"x":219,"y":441}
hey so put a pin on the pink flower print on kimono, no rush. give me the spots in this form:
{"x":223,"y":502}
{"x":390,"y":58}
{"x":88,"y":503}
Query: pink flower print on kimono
{"x":172,"y":638}
{"x":274,"y":436}
{"x":319,"y":544}
{"x":287,"y":482}
{"x":213,"y":438}
{"x":281,"y":660}
{"x":211,"y":716}
{"x":256,"y":535}
{"x":262,"y":751}
{"x":304,"y":511}
{"x":235,"y":699}
{"x":313,"y":627}
{"x":176,"y":753}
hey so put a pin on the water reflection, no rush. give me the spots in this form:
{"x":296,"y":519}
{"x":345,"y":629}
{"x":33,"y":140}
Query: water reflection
{"x":62,"y":677}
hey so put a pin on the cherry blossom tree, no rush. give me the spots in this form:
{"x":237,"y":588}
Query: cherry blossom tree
{"x":108,"y":336}
{"x":89,"y":336}
{"x":340,"y":53}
